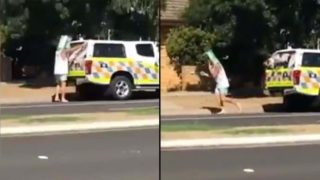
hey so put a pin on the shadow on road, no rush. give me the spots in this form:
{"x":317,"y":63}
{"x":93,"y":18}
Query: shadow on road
{"x":136,"y":96}
{"x":247,"y":93}
{"x":278,"y":107}
{"x":212,"y":110}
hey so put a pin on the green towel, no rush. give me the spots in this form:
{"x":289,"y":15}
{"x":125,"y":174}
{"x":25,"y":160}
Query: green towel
{"x":212,"y":57}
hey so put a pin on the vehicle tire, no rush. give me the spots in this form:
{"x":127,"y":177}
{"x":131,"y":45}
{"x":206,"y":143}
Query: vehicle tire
{"x":120,"y":88}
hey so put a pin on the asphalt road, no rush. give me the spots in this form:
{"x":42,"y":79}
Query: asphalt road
{"x":75,"y":107}
{"x":267,"y":163}
{"x":118,"y":155}
{"x":247,"y":119}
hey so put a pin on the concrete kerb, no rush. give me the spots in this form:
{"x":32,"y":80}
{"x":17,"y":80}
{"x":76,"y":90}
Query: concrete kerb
{"x":186,"y":93}
{"x":185,"y":112}
{"x":238,"y":141}
{"x":71,"y":127}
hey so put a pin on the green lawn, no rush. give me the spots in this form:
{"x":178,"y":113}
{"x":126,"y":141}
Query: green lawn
{"x":198,"y":127}
{"x":50,"y":119}
{"x":140,"y":112}
{"x":189,"y":127}
{"x":143,"y":111}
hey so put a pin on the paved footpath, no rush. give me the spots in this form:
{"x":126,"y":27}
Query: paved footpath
{"x":204,"y":103}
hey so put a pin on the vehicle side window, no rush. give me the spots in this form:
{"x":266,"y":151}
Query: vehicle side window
{"x":311,"y":60}
{"x":109,"y":50}
{"x":145,"y":50}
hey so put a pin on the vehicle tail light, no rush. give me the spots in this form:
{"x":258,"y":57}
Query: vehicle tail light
{"x":296,"y":77}
{"x":88,"y":66}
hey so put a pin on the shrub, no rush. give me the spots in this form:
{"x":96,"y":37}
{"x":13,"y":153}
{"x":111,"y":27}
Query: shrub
{"x":187,"y":45}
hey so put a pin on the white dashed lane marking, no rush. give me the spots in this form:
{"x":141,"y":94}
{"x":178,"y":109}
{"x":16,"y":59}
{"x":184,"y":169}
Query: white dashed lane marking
{"x":43,"y":157}
{"x":248,"y":170}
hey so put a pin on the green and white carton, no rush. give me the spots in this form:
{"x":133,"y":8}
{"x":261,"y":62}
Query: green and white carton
{"x":212,"y":57}
{"x":64,"y":42}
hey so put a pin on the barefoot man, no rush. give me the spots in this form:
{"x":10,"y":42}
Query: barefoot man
{"x":65,"y":56}
{"x":222,"y":83}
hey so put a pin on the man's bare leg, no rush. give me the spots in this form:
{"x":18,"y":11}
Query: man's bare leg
{"x":231,"y":101}
{"x":63,"y":91}
{"x":56,"y":96}
{"x":220,"y":99}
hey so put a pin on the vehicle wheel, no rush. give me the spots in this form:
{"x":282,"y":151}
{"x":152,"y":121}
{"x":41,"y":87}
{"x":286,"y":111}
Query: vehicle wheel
{"x":121,"y":88}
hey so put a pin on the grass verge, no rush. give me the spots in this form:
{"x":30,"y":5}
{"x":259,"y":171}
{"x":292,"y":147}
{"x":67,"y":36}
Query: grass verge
{"x":137,"y":114}
{"x":194,"y":131}
{"x":143,"y":111}
{"x":188,"y":127}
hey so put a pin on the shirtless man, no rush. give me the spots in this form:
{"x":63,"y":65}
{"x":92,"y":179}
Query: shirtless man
{"x":63,"y":58}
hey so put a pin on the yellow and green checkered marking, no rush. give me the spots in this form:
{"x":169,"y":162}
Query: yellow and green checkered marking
{"x":279,"y":78}
{"x":103,"y":69}
{"x":309,"y":81}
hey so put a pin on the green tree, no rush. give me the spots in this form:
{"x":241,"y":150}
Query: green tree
{"x":187,"y":45}
{"x":36,"y":25}
{"x":247,"y":30}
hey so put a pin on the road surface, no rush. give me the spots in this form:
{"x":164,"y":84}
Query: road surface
{"x":75,"y":107}
{"x":265,"y":119}
{"x":118,"y":155}
{"x":266,"y":163}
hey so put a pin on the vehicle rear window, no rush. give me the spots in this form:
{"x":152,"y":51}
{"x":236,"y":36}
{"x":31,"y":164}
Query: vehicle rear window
{"x":145,"y":50}
{"x":109,"y":50}
{"x":311,"y":60}
{"x":75,"y":44}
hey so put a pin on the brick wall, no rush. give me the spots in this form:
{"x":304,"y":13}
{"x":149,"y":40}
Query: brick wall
{"x":169,"y":77}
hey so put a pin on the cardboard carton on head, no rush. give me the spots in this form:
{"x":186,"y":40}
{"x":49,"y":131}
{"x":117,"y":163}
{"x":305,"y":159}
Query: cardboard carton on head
{"x":212,"y":57}
{"x":64,"y":42}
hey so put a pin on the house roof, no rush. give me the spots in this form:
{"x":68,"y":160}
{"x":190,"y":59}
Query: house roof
{"x":174,"y":10}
